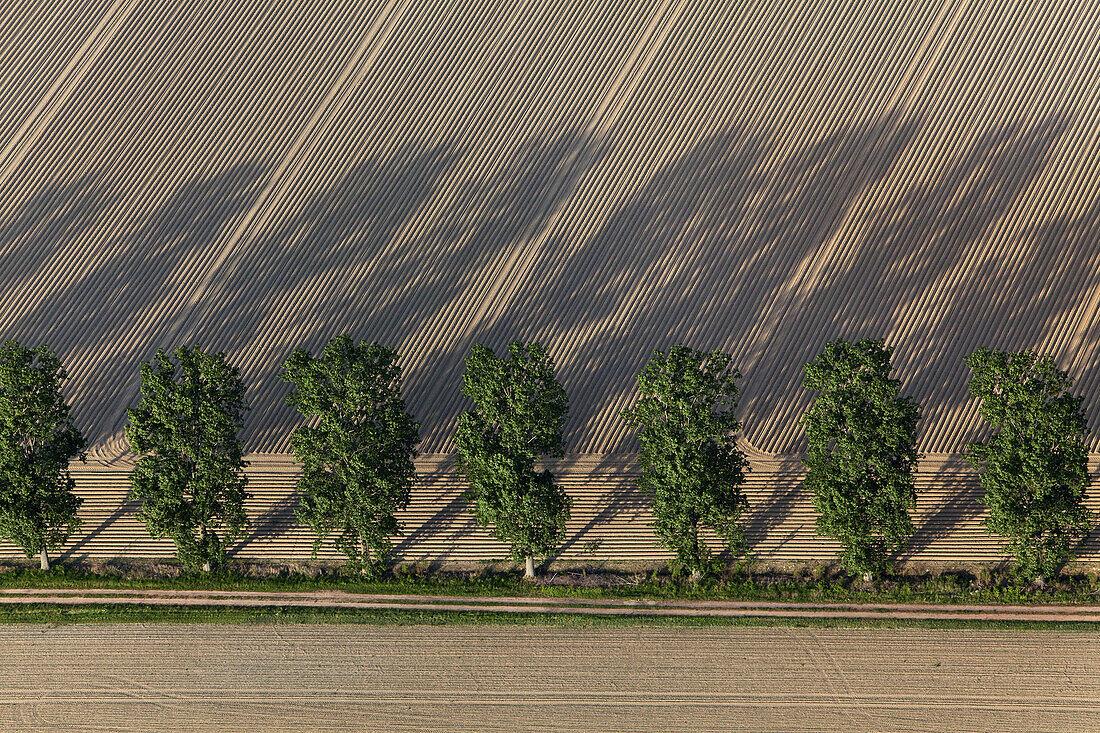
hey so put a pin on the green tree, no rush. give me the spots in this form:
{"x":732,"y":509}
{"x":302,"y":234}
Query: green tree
{"x":37,"y":441}
{"x":1034,"y":465}
{"x":519,"y":414}
{"x":357,"y":457}
{"x":862,"y":452}
{"x":690,"y":464}
{"x":190,"y":477}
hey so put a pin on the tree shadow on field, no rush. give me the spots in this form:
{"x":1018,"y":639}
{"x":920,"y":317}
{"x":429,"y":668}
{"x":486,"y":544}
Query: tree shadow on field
{"x":125,"y":302}
{"x":454,"y":520}
{"x":73,"y":552}
{"x":914,"y":250}
{"x":732,"y":246}
{"x":1089,"y":547}
{"x":273,"y":522}
{"x":736,"y":244}
{"x":961,"y":505}
{"x":448,"y":520}
{"x":41,"y":229}
{"x":342,"y":265}
{"x":291,"y":289}
{"x":1065,"y":273}
{"x":489,"y":222}
{"x":625,"y":498}
{"x":694,"y":256}
{"x":786,"y":491}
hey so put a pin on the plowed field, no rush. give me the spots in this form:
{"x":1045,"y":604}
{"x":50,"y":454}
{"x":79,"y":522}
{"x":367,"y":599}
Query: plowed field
{"x":228,"y":678}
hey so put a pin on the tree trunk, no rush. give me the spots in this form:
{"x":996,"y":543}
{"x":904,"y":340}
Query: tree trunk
{"x":530,"y":571}
{"x":45,"y":557}
{"x":206,"y":567}
{"x":697,"y":551}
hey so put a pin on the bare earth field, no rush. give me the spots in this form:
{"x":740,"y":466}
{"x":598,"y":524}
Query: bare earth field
{"x":229,"y":678}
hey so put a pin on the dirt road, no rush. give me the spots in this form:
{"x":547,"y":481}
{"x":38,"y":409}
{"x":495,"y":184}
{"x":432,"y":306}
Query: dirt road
{"x":237,"y":678}
{"x":573,"y":606}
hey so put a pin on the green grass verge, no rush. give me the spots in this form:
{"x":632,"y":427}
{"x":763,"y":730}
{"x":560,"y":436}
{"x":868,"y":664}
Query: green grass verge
{"x":113,"y":614}
{"x":824,"y":586}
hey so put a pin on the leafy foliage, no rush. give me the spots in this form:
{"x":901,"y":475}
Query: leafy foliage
{"x":1034,"y":467}
{"x":358,"y":457}
{"x":688,"y":451}
{"x":862,"y":452}
{"x":519,"y":415}
{"x":190,"y":480}
{"x":37,"y":441}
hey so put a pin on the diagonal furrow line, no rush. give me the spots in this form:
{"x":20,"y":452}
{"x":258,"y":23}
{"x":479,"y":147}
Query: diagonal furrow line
{"x":47,"y":108}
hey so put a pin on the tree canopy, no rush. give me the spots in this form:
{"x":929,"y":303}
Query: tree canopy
{"x":518,"y":416}
{"x":357,"y":455}
{"x":690,"y":464}
{"x":190,"y":477}
{"x":862,"y":452}
{"x":37,"y":440}
{"x":1034,"y":467}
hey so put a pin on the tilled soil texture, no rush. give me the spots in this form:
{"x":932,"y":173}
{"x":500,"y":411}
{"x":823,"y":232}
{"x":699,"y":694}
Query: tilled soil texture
{"x":574,"y":606}
{"x":238,"y":678}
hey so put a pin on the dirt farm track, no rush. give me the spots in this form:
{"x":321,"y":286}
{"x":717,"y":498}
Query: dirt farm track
{"x":230,"y":678}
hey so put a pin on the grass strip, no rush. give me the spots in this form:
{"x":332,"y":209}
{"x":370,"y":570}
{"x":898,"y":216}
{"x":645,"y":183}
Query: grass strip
{"x":946,"y":588}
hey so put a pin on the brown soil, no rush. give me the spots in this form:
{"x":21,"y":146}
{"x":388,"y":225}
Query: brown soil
{"x":298,"y":678}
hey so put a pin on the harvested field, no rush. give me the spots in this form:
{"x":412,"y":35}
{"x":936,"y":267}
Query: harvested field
{"x":139,"y":677}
